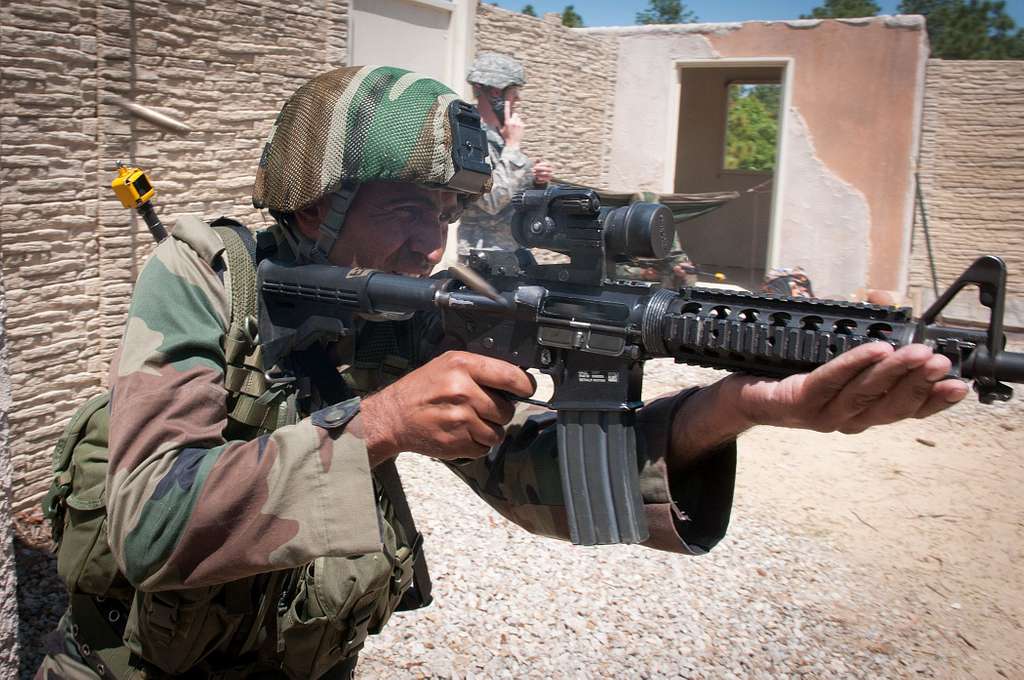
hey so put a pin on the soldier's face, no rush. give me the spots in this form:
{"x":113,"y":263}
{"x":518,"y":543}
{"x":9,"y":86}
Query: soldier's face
{"x":391,"y":226}
{"x":509,"y":94}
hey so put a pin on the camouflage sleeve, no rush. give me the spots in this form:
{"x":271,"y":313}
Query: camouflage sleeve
{"x":686,"y":514}
{"x":512,"y":172}
{"x":187,"y":508}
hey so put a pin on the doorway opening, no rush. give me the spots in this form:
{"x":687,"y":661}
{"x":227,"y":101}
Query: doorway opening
{"x":730,"y":125}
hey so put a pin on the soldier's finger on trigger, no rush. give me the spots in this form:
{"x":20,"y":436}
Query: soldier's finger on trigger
{"x":500,"y":375}
{"x":495,"y":407}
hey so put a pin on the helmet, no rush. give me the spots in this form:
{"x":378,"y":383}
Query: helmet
{"x":358,"y":124}
{"x":496,"y":70}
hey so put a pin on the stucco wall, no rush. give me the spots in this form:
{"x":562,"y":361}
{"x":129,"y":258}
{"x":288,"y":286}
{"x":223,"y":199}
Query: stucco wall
{"x":850,"y":132}
{"x":70,"y":252}
{"x":971,"y":172}
{"x":568,"y":101}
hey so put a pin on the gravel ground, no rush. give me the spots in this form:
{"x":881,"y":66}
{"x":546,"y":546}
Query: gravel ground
{"x":509,"y":605}
{"x":41,"y":601}
{"x":774,"y":600}
{"x":764,"y":604}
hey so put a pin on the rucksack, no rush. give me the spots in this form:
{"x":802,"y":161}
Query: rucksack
{"x":76,"y":502}
{"x":348,"y":591}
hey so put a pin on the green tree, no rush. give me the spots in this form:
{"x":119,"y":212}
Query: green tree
{"x":968,"y":29}
{"x":843,"y":9}
{"x":571,"y":18}
{"x":666,"y":12}
{"x":529,"y":11}
{"x":752,"y":127}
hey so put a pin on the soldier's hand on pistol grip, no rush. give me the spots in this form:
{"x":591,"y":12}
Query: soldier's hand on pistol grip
{"x":447,"y":409}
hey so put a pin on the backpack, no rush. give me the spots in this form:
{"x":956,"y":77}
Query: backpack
{"x":315,"y":641}
{"x":76,"y":502}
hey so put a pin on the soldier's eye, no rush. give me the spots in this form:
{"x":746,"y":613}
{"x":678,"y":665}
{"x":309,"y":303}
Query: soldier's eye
{"x":409,"y":214}
{"x":449,"y":216}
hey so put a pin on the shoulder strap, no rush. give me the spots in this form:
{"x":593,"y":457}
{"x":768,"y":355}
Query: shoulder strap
{"x":255,"y":406}
{"x":196,"y":233}
{"x":419,"y":594}
{"x":240,"y":251}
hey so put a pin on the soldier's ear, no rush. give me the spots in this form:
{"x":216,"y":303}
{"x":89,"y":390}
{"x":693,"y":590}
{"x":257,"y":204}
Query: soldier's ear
{"x":307,"y":220}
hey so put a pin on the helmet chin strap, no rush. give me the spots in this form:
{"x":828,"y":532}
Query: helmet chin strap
{"x":330,"y":228}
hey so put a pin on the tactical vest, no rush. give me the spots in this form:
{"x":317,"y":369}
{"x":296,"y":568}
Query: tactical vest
{"x":305,"y":621}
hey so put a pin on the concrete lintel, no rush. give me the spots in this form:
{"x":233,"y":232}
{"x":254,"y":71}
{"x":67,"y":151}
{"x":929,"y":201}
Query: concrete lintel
{"x":666,"y":29}
{"x":902,"y":21}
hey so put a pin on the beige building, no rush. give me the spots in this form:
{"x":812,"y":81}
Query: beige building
{"x":622,"y":108}
{"x":851,"y":103}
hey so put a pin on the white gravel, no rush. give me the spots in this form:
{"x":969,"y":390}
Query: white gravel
{"x":766,"y":603}
{"x":763,"y":604}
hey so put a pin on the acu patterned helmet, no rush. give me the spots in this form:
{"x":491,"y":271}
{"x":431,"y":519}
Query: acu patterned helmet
{"x":360,"y":124}
{"x":496,"y":70}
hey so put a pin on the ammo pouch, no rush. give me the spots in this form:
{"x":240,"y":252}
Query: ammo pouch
{"x":174,"y":630}
{"x":76,"y":505}
{"x":337,"y":601}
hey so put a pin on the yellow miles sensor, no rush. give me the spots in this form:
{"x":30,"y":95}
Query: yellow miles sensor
{"x":133,"y":188}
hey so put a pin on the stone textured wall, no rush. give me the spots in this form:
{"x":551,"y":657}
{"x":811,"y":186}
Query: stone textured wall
{"x":971,"y":174}
{"x":70,"y":253}
{"x":8,"y":574}
{"x":568,"y":102}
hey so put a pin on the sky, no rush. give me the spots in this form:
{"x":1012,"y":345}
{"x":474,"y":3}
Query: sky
{"x":623,"y":12}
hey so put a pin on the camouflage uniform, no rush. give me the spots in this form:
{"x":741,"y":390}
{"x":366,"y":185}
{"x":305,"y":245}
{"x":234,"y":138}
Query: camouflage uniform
{"x":673,"y":271}
{"x":486,"y":224}
{"x":787,"y":281}
{"x":208,"y":524}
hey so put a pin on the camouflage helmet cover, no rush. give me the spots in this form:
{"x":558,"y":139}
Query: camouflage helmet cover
{"x":496,"y":70}
{"x":354,"y":125}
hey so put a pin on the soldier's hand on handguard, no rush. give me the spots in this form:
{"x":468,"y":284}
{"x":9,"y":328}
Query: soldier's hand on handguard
{"x":870,"y":385}
{"x":447,"y":409}
{"x":542,"y":173}
{"x":513,"y":129}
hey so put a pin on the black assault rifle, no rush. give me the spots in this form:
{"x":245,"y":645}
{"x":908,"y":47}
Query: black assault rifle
{"x":592,"y":334}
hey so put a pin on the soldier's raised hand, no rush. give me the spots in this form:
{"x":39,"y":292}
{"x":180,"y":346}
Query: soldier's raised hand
{"x":513,"y":129}
{"x":446,"y":409}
